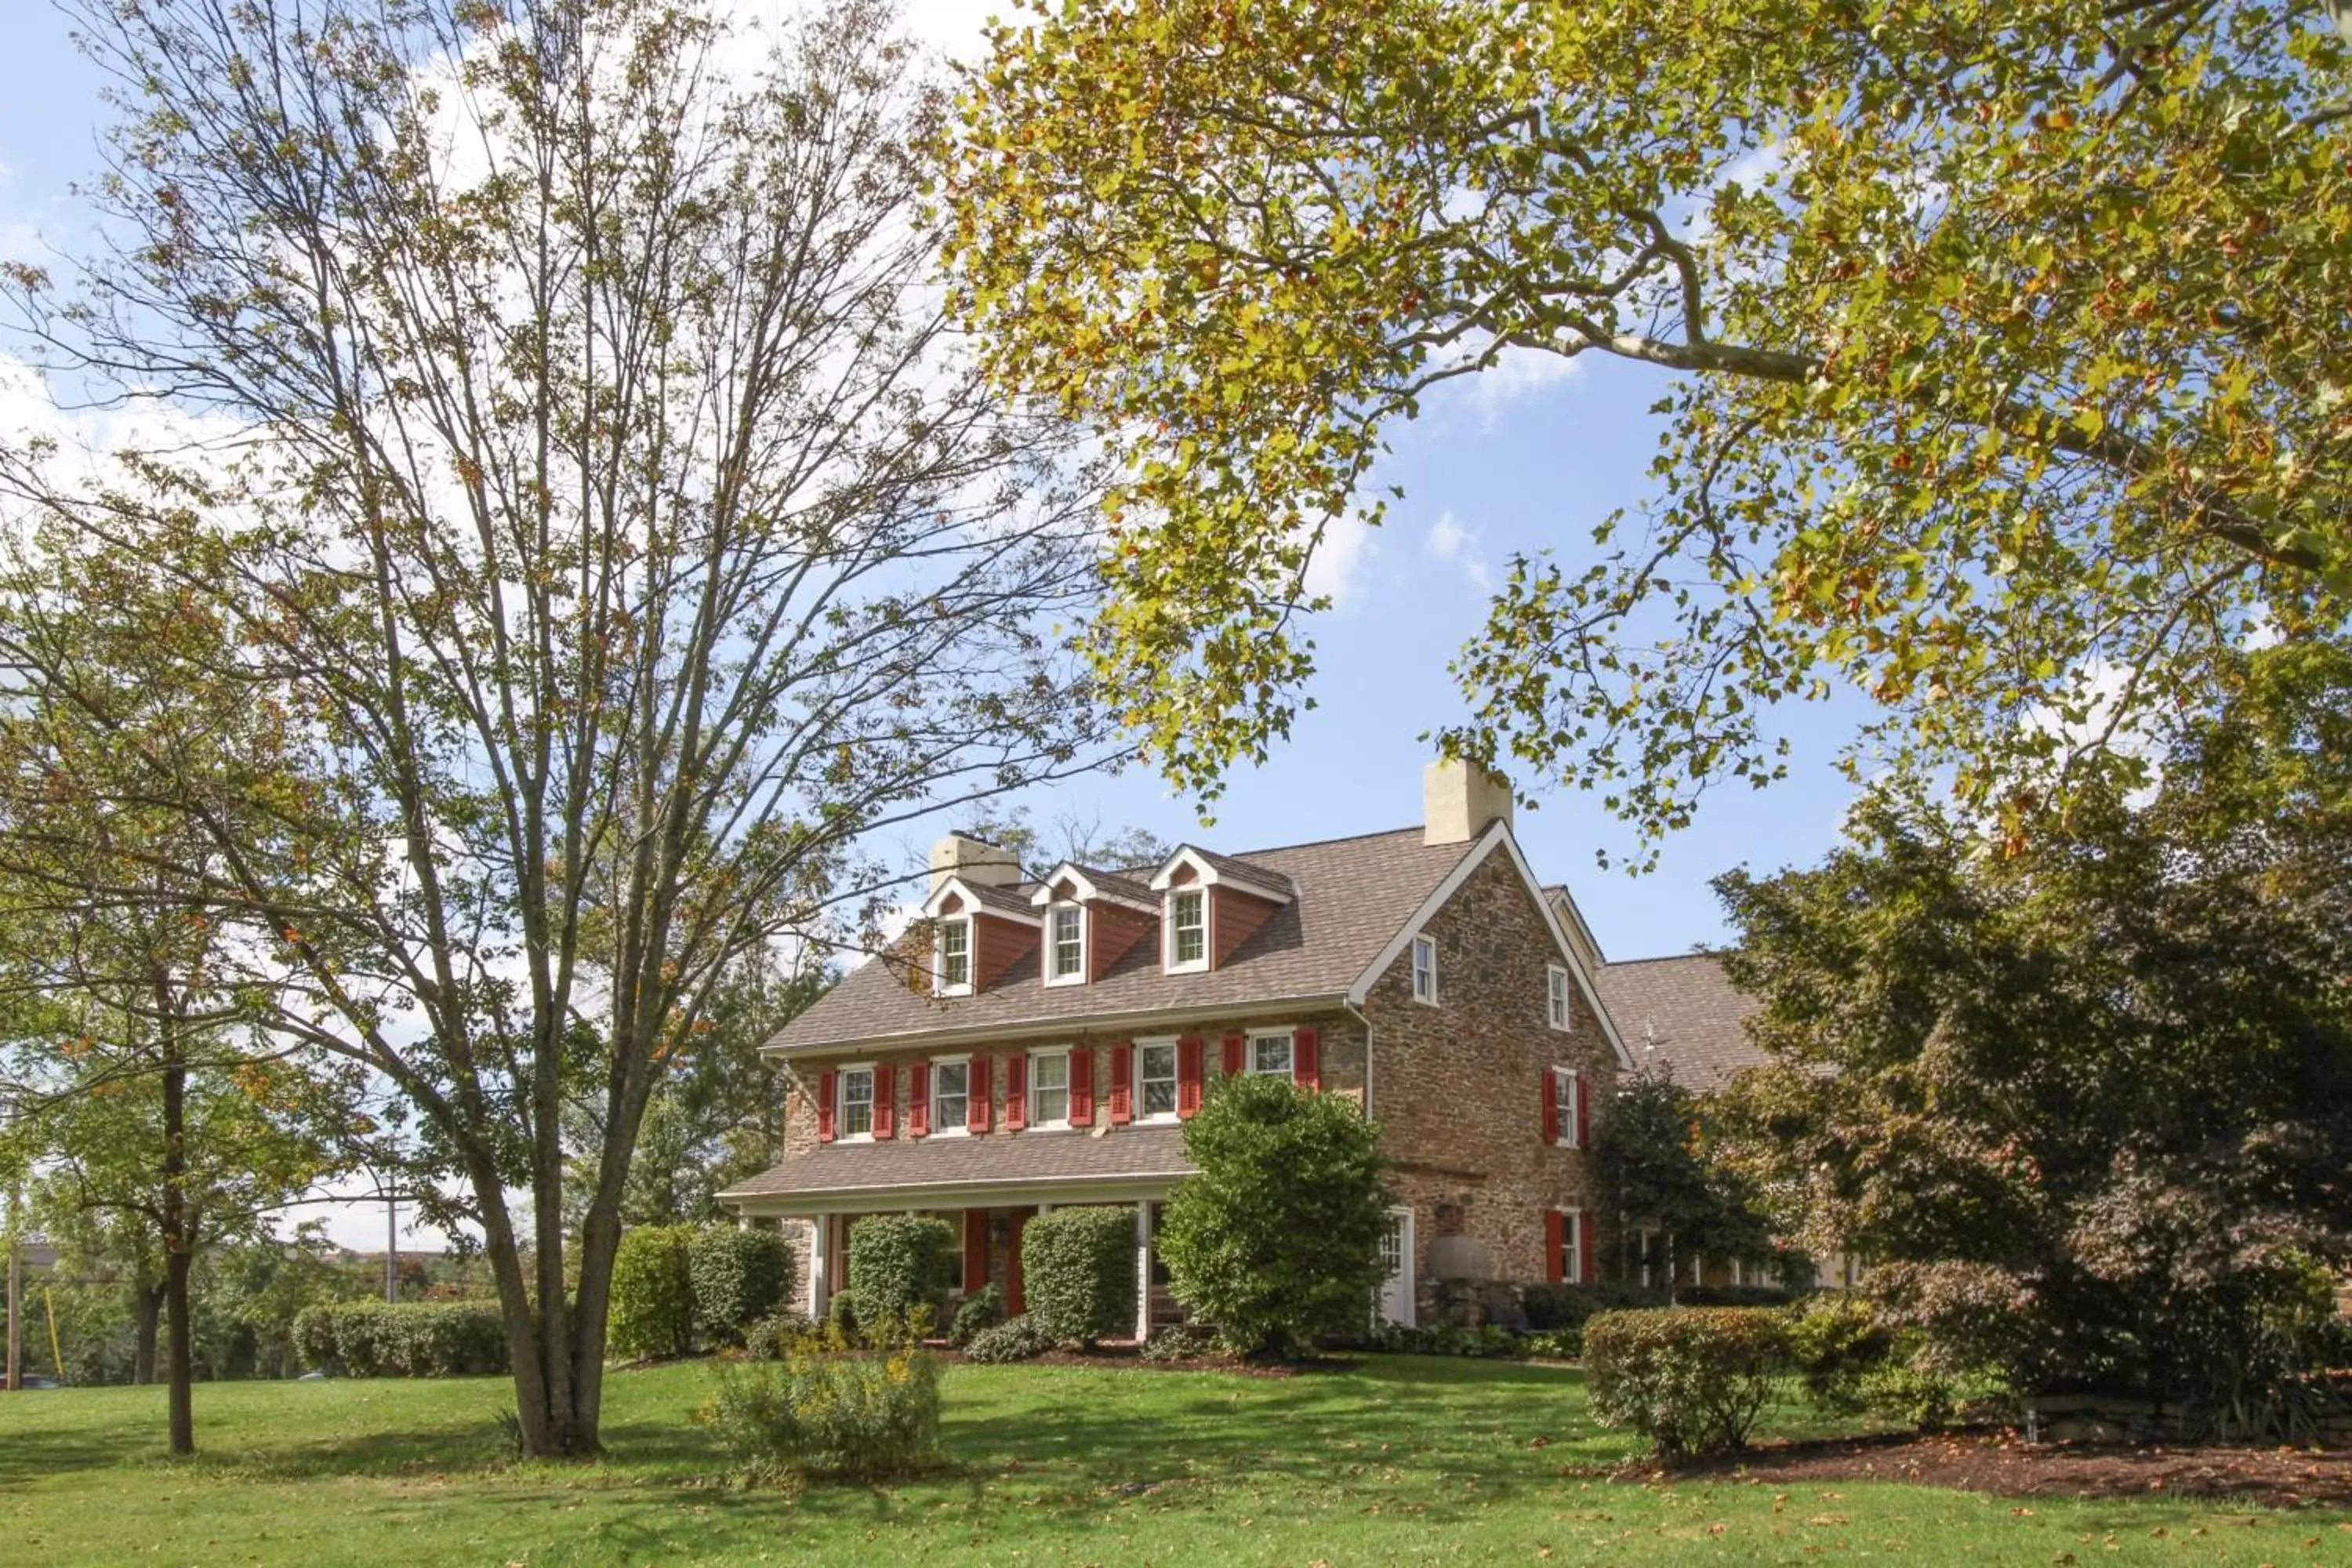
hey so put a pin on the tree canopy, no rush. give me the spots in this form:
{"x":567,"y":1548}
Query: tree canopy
{"x":1999,"y":350}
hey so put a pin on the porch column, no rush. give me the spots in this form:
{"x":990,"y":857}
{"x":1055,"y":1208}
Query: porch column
{"x":820,"y":1264}
{"x":1142,"y":1271}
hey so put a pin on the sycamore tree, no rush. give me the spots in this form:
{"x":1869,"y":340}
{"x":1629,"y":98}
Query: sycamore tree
{"x":2084,"y":1110}
{"x":609,"y":511}
{"x":1998,"y":348}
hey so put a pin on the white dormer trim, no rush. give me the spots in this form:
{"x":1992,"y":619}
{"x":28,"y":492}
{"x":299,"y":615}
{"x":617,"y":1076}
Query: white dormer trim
{"x":1169,"y":962}
{"x":1045,"y":947}
{"x":973,"y":904}
{"x":1206,"y":875}
{"x":1088,"y":890}
{"x":1498,"y":832}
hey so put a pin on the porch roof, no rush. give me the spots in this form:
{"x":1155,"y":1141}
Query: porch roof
{"x":923,"y":1166}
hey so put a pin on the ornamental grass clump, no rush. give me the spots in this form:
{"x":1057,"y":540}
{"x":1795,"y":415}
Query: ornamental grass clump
{"x":1693,"y":1380}
{"x":831,"y":1410}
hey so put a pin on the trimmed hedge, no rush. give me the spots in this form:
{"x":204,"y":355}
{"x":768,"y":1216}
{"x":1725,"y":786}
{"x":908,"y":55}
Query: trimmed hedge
{"x":1693,"y":1380}
{"x":1078,"y":1274}
{"x":898,"y":1262}
{"x":738,"y":1277}
{"x":1571,"y":1306}
{"x":653,"y":1293}
{"x":405,"y":1339}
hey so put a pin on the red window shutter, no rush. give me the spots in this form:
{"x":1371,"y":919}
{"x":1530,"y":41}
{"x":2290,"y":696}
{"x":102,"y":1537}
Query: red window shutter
{"x":919,"y":1100}
{"x":885,"y":1091}
{"x":1551,"y":1105}
{"x":1016,"y":1093}
{"x":1555,"y":1243}
{"x":825,"y":1108}
{"x":975,"y":1251}
{"x":1082,"y":1087}
{"x":1583,"y":1111}
{"x":1236,"y":1059}
{"x":1122,"y":1084}
{"x":1307,"y":1059}
{"x":1584,"y":1249}
{"x":983,"y":1085}
{"x":1188,"y":1075}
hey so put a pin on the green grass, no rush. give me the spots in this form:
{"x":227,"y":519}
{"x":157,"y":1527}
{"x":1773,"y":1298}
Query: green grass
{"x":1405,"y":1460}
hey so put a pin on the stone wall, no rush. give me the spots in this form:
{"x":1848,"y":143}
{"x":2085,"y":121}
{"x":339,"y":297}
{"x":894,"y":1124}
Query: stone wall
{"x":1458,"y":1087}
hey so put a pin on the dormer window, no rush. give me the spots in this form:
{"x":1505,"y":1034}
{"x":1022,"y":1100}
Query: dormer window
{"x":955,"y":958}
{"x":1188,"y":930}
{"x":1065,"y":945}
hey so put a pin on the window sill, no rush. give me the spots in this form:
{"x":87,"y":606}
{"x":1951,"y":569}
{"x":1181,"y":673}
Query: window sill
{"x":1078,"y":979}
{"x":951,"y":1133}
{"x":1199,"y":966}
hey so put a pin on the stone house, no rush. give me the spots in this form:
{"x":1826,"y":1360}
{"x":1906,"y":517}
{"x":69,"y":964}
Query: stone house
{"x":1053,"y":1034}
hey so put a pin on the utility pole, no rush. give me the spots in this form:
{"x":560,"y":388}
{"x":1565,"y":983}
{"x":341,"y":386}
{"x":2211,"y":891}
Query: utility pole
{"x":391,"y":1244}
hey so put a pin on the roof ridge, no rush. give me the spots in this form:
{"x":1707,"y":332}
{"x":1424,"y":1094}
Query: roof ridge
{"x":1667,"y":957}
{"x":1319,"y":843}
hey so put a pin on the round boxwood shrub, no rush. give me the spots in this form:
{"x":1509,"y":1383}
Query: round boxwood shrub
{"x":1693,"y":1380}
{"x":980,"y":1311}
{"x":1078,"y":1275}
{"x":1278,"y":1239}
{"x":653,"y":1291}
{"x":739,"y":1277}
{"x":1015,"y":1338}
{"x":898,"y":1262}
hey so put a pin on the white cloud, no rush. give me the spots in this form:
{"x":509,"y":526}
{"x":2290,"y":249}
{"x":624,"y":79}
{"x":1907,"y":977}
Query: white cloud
{"x":1448,"y":541}
{"x":1339,"y":559}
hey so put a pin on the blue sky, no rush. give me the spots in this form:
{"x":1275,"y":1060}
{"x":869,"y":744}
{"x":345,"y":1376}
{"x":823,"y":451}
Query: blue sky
{"x":1517,"y":461}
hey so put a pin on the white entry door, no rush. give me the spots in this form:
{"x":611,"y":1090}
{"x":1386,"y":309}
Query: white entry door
{"x":1396,"y":1258}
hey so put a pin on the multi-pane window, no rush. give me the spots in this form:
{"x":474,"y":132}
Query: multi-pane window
{"x":1066,"y":951}
{"x":955,"y":955}
{"x":1049,"y":1089}
{"x":1425,"y":970}
{"x":950,"y":1096}
{"x":1556,"y":996}
{"x":1155,"y":1080}
{"x":1188,"y":929}
{"x":856,"y":1113}
{"x":1572,"y":1247}
{"x":1270,"y":1055}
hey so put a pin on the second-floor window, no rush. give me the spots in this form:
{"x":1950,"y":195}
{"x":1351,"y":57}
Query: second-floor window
{"x":1155,"y":1080}
{"x":950,"y":1096}
{"x":955,"y":957}
{"x":1049,"y":1089}
{"x":1065,"y":945}
{"x":856,"y":1112}
{"x":1425,"y":970}
{"x":1270,"y":1056}
{"x":1188,"y":929}
{"x":1556,"y":996}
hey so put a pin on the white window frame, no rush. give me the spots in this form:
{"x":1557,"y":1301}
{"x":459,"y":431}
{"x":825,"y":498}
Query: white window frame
{"x":841,"y":1076}
{"x":963,"y":1129}
{"x":1571,"y":1247}
{"x":1558,"y":1010}
{"x":1289,"y":1038}
{"x":1567,"y":1098}
{"x":1171,"y":964}
{"x":1645,"y":1242}
{"x":1065,"y":1055}
{"x":940,"y":956}
{"x":1424,"y":970}
{"x":1174,"y":1079}
{"x":1052,"y":947}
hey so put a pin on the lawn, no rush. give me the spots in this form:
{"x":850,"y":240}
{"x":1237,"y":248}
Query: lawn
{"x":1402,"y":1460}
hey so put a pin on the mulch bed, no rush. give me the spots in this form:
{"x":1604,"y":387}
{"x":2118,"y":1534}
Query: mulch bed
{"x":2002,"y":1462}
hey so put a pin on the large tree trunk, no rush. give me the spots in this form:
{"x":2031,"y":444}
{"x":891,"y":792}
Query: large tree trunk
{"x":147,"y":1306}
{"x":176,"y":1243}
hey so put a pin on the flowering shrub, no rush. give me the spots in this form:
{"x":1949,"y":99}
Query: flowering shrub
{"x":831,"y":1410}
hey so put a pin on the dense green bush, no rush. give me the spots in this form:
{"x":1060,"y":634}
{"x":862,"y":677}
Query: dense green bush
{"x":841,"y":1316}
{"x":1850,"y":1362}
{"x":739,"y":1276}
{"x":858,"y":1414}
{"x":1690,"y":1379}
{"x":653,"y":1291}
{"x":898,"y":1262}
{"x":1015,"y":1338}
{"x":981,"y":1310}
{"x":774,"y":1335}
{"x":1278,"y":1239}
{"x":1078,"y":1273}
{"x":1180,"y":1341}
{"x":1568,"y":1306}
{"x":403,"y":1338}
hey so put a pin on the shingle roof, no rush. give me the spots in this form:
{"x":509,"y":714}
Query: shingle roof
{"x":989,"y":1160}
{"x":1249,"y":873}
{"x":1682,"y":1015}
{"x":1003,"y":900}
{"x":1351,"y":896}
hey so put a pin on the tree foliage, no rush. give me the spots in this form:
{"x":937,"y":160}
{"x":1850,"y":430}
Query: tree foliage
{"x":576,"y":455}
{"x":2007,"y":350}
{"x":1276,"y":1240}
{"x":2084,"y":1111}
{"x":1650,"y":1155}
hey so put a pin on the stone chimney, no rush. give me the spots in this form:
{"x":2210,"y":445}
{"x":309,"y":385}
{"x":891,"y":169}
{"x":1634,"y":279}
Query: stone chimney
{"x":976,"y":860}
{"x":1458,"y":800}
